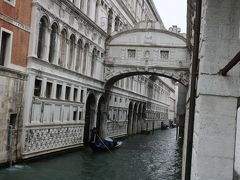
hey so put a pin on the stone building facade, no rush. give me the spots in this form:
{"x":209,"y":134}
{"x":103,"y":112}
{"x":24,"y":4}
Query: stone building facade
{"x":55,"y":82}
{"x":15,"y":20}
{"x":213,"y":38}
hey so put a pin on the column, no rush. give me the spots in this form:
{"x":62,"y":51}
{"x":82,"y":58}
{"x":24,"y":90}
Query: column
{"x":71,"y":93}
{"x":113,"y":22}
{"x":54,"y":89}
{"x":63,"y":91}
{"x":67,"y":54}
{"x":43,"y":88}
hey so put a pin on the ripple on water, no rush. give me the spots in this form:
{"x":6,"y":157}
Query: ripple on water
{"x":142,"y":157}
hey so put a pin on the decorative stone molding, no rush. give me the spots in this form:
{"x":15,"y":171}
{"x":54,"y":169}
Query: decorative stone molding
{"x":48,"y":138}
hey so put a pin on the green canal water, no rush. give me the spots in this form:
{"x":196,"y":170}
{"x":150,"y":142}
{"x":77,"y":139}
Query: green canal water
{"x":142,"y":157}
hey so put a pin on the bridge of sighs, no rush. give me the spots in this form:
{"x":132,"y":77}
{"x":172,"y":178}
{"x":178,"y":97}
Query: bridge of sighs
{"x":147,"y":49}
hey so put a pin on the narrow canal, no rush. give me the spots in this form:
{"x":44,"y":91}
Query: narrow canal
{"x":142,"y":157}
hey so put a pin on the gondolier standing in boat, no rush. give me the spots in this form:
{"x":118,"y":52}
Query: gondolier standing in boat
{"x":94,"y":136}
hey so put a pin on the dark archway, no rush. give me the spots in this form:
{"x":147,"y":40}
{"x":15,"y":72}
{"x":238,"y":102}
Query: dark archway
{"x":101,"y":116}
{"x":89,"y":117}
{"x":130,"y":114}
{"x":139,"y":122}
{"x":144,"y":115}
{"x":134,"y":121}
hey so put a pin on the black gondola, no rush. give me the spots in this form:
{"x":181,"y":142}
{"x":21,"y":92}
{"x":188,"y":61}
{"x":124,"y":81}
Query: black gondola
{"x":102,"y":144}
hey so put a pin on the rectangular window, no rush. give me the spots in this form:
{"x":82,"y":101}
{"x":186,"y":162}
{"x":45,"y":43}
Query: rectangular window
{"x":81,"y":98}
{"x":5,"y":47}
{"x":75,"y":115}
{"x":67,"y":93}
{"x":164,"y":54}
{"x":80,"y":115}
{"x":58,"y":91}
{"x":37,"y":87}
{"x":131,"y":53}
{"x":75,"y":92}
{"x":48,"y":90}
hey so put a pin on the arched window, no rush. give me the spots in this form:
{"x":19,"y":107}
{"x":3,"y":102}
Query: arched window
{"x":88,"y":7}
{"x":79,"y":55}
{"x":72,"y":51}
{"x":42,"y":37}
{"x":82,"y":5}
{"x":52,"y":47}
{"x":97,"y":11}
{"x":94,"y":58}
{"x":63,"y":46}
{"x":117,"y":23}
{"x":85,"y":57}
{"x":110,"y":14}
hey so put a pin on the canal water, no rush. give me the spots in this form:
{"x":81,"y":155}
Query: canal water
{"x":142,"y":157}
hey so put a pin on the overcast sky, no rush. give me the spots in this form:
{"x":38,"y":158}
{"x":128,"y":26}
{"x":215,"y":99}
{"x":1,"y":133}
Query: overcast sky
{"x":173,"y":12}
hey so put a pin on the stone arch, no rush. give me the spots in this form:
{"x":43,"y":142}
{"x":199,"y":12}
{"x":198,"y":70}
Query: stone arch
{"x":63,"y":47}
{"x":42,"y":35}
{"x":89,"y":116}
{"x":101,"y":115}
{"x":53,"y":42}
{"x":72,"y":51}
{"x":179,"y":76}
{"x":85,"y":57}
{"x":93,"y":62}
{"x":79,"y":55}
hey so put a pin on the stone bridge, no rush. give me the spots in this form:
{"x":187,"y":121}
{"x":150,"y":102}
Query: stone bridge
{"x":147,"y":49}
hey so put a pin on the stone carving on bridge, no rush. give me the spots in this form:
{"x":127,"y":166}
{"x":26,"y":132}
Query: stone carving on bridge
{"x":148,"y":38}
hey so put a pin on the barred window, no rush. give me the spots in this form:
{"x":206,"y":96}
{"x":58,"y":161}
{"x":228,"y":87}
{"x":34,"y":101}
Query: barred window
{"x":164,"y":54}
{"x":131,"y":53}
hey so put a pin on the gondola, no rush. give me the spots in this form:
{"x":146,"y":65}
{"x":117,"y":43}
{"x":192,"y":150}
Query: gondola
{"x":164,"y":126}
{"x":106,"y":144}
{"x":102,"y":144}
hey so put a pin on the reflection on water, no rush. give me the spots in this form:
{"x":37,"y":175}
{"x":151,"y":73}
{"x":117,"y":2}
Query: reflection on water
{"x":142,"y":157}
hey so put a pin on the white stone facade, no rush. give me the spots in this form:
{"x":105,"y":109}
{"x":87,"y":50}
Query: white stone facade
{"x":65,"y":95}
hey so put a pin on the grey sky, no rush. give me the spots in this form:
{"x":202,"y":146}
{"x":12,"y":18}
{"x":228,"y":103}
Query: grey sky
{"x":172,"y":12}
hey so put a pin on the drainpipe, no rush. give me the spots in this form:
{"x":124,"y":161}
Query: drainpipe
{"x":197,"y":26}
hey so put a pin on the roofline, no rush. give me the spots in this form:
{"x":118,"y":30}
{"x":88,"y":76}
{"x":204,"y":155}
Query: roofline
{"x":155,"y":12}
{"x":164,"y":31}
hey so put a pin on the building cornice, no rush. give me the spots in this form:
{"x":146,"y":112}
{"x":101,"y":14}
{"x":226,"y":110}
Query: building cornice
{"x":84,"y":17}
{"x":14,"y":22}
{"x":124,"y":7}
{"x":155,"y":12}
